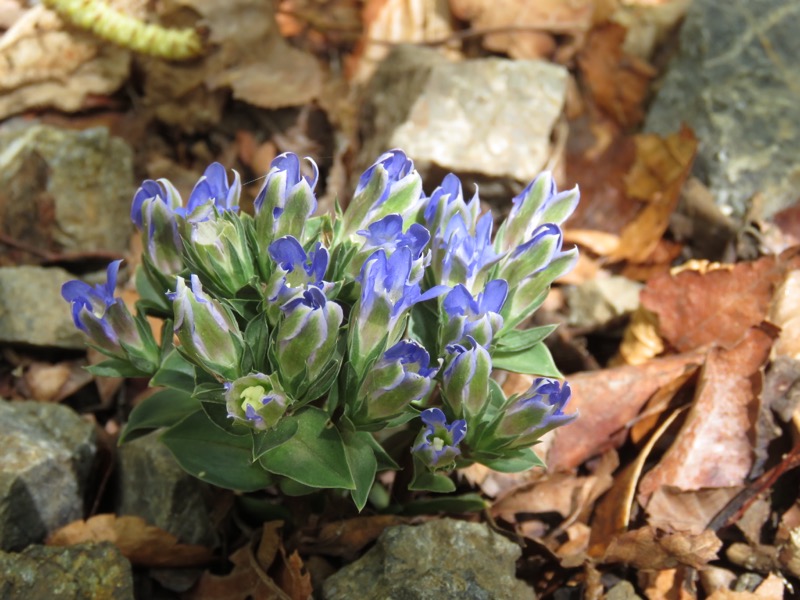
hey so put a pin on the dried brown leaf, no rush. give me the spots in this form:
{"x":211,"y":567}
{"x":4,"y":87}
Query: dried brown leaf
{"x":647,"y":548}
{"x":247,"y":581}
{"x":784,"y":311}
{"x":608,"y":401}
{"x":141,"y":543}
{"x":657,"y":176}
{"x":293,"y":577}
{"x":346,"y":538}
{"x":687,"y":512}
{"x":714,"y":448}
{"x":617,"y":82}
{"x":696,"y":309}
{"x":47,"y":382}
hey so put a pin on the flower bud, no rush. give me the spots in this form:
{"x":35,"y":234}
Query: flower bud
{"x":107,"y":321}
{"x":256,"y":400}
{"x":387,"y":234}
{"x":207,"y":331}
{"x":307,"y":336}
{"x":532,"y":256}
{"x":400,"y":377}
{"x":465,"y":384}
{"x":218,"y":248}
{"x":532,"y":414}
{"x":212,"y":194}
{"x":390,"y":186}
{"x":286,"y":200}
{"x":295,"y":269}
{"x":437,"y":444}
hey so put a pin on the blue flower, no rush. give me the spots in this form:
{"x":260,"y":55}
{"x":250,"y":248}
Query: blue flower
{"x":107,"y":321}
{"x":446,"y":201}
{"x":212,"y":194}
{"x":400,"y":377}
{"x":387,"y":234}
{"x":286,"y":201}
{"x":461,"y":256}
{"x":161,"y":190}
{"x":535,"y":412}
{"x":465,"y":381}
{"x":296,"y":268}
{"x":386,"y":294}
{"x":533,"y":256}
{"x":394,"y":165}
{"x":478,"y":317}
{"x":437,"y":444}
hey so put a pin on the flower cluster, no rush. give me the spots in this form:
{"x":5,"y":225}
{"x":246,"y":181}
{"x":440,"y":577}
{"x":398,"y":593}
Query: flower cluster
{"x":301,"y":340}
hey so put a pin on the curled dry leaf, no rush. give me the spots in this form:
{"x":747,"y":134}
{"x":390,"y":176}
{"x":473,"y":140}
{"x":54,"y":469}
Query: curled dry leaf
{"x":648,"y":548}
{"x":44,"y":65}
{"x":617,"y":82}
{"x":687,"y":512}
{"x":785,"y":313}
{"x":713,"y":448}
{"x":524,"y":29}
{"x":695,"y":309}
{"x":656,"y":177}
{"x":608,"y":401}
{"x":142,"y":544}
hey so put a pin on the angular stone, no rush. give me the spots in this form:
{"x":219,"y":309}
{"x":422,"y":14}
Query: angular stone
{"x":153,"y":486}
{"x":440,"y":559}
{"x":484,"y":118}
{"x":32,"y":310}
{"x":80,"y":571}
{"x":46,"y":455}
{"x":63,"y":190}
{"x":734,"y":81}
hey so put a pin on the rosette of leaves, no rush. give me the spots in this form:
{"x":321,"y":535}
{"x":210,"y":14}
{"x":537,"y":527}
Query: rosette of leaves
{"x":314,"y":351}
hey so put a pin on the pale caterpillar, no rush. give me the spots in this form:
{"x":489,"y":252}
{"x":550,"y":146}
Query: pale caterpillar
{"x":129,"y":32}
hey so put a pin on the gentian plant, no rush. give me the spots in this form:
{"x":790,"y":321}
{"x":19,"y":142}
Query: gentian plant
{"x":310,"y":352}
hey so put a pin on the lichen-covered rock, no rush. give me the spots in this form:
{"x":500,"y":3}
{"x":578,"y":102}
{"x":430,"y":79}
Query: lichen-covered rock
{"x":96,"y":571}
{"x":63,"y":190}
{"x":440,"y":559}
{"x":153,"y":486}
{"x":734,"y":81}
{"x":46,"y":455}
{"x":32,"y":310}
{"x":489,"y":118}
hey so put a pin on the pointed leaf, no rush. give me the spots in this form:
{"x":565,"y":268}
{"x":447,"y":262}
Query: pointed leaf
{"x":162,"y":409}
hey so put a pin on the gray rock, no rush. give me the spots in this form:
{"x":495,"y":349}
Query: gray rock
{"x":734,"y":82}
{"x":77,"y":572}
{"x":153,"y":486}
{"x":596,"y":302}
{"x":491,"y":117}
{"x":46,"y":455}
{"x":440,"y":559}
{"x":32,"y":310}
{"x":63,"y":190}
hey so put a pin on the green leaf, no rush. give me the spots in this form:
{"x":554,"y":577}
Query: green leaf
{"x":314,"y":456}
{"x":518,"y":340}
{"x":363,"y":465}
{"x":162,"y":409}
{"x":217,"y":413}
{"x":290,"y":487}
{"x":256,"y":336}
{"x":465,"y":503}
{"x":175,"y":372}
{"x":425,"y":480}
{"x":533,"y":361}
{"x":264,"y":441}
{"x":115,"y":367}
{"x":423,"y":326}
{"x":520,"y":460}
{"x":205,"y":451}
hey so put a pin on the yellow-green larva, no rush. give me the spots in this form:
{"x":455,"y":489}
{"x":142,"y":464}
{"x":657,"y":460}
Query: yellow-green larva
{"x":129,"y":32}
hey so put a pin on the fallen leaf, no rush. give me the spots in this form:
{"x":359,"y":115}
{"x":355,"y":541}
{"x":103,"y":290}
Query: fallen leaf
{"x":617,"y":82}
{"x":532,"y":26}
{"x":245,"y":582}
{"x":47,"y":382}
{"x":346,"y":538}
{"x":293,"y":577}
{"x":784,"y":311}
{"x":599,"y":242}
{"x":669,"y":509}
{"x":647,"y":548}
{"x":608,"y":401}
{"x":696,"y":309}
{"x":269,"y":544}
{"x":714,"y":448}
{"x":142,"y":544}
{"x":656,"y":177}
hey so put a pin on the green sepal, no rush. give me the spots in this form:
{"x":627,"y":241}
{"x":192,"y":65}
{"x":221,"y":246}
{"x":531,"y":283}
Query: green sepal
{"x":175,"y":372}
{"x":429,"y":481}
{"x":163,"y":408}
{"x":536,"y":360}
{"x":514,"y":461}
{"x":315,"y":454}
{"x":115,"y":367}
{"x":362,"y":463}
{"x":516,"y":340}
{"x":256,"y":337}
{"x":152,"y":286}
{"x":465,"y":503}
{"x":204,"y":450}
{"x":423,"y":327}
{"x":264,"y":441}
